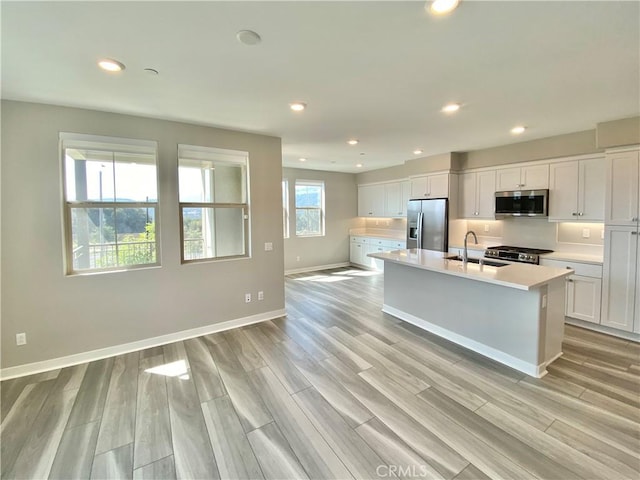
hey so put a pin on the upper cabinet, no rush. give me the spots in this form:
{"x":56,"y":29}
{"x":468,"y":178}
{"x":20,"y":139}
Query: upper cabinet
{"x":532,"y":177}
{"x":371,"y":200}
{"x":430,"y":186}
{"x":383,"y":199}
{"x":477,"y":194}
{"x":621,"y":203}
{"x":396,"y":197}
{"x":577,"y":190}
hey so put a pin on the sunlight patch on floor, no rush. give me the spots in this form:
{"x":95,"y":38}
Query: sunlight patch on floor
{"x":174,"y":369}
{"x":339,"y":276}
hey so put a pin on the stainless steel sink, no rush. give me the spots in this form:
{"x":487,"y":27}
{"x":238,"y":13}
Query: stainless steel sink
{"x":477,"y":260}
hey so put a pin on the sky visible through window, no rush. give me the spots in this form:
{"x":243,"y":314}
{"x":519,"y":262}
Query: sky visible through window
{"x":134,"y":182}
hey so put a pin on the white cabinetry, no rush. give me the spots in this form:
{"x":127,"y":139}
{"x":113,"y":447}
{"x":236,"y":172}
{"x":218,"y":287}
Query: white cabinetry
{"x":621,"y":279}
{"x":396,"y":196}
{"x":363,"y":246}
{"x":620,"y":304}
{"x":532,"y":177}
{"x":357,"y":252}
{"x":622,"y":188}
{"x":430,"y":186}
{"x":477,"y":194}
{"x":383,"y":199}
{"x":371,"y":200}
{"x":577,"y":189}
{"x":584,"y":289}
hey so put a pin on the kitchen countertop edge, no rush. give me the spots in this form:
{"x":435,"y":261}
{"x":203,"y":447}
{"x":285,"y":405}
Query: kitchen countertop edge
{"x":518,"y":276}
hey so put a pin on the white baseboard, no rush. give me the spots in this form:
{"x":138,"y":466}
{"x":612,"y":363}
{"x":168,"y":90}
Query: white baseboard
{"x":530,"y":369}
{"x":634,"y":337}
{"x":77,"y":358}
{"x":317,"y":267}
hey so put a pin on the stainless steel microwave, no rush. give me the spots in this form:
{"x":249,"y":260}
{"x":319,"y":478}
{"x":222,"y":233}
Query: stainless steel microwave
{"x":522,"y":203}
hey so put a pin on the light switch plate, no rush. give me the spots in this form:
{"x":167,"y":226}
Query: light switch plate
{"x":586,"y":232}
{"x":268,"y":246}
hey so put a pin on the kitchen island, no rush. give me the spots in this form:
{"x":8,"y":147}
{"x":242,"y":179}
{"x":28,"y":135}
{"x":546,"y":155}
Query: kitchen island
{"x":513,"y":314}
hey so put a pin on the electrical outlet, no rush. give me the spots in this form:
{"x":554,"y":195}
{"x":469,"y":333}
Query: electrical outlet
{"x":247,"y":298}
{"x":21,"y":338}
{"x":297,"y":259}
{"x":260,"y":295}
{"x":268,"y":246}
{"x":586,"y":232}
{"x":544,"y":301}
{"x":486,"y":227}
{"x":602,"y":234}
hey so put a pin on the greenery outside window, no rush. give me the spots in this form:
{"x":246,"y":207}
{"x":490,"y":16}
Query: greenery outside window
{"x":214,"y":208}
{"x":285,"y":207}
{"x":309,"y":208}
{"x":110,"y":190}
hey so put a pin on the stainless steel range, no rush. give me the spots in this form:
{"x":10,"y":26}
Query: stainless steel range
{"x":516,"y":254}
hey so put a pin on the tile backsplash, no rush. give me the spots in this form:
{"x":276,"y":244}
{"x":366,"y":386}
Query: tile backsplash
{"x":521,"y":232}
{"x":539,"y":233}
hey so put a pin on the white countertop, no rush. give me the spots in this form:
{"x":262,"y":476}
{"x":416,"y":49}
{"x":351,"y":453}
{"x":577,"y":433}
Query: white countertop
{"x":380,"y":235}
{"x":519,"y":276}
{"x":575,"y":257}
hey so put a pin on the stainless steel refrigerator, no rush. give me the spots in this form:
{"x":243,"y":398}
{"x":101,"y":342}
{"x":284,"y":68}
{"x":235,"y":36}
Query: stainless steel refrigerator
{"x":427,"y":224}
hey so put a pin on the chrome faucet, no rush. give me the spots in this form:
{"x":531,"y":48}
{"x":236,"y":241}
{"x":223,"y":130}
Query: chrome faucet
{"x":465,"y":255}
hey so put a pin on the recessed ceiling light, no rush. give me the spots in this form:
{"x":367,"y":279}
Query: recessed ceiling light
{"x":358,"y":165}
{"x":111,"y":65}
{"x":417,"y":152}
{"x":297,"y":106}
{"x":302,"y":159}
{"x":353,"y":141}
{"x":441,"y":7}
{"x":248,"y":37}
{"x":518,"y":130}
{"x":451,"y":107}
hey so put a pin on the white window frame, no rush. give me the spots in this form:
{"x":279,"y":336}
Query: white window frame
{"x":69,"y":140}
{"x":211,"y":154}
{"x":321,"y":208}
{"x":285,"y":207}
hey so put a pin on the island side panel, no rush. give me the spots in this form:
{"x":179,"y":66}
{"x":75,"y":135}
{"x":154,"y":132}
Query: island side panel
{"x":554,"y":324}
{"x":509,"y":321}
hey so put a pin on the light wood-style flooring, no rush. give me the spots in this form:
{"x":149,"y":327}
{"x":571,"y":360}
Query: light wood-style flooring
{"x":336,"y":389}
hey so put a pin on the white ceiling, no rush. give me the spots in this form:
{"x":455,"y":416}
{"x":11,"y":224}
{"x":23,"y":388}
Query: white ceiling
{"x":376,"y":71}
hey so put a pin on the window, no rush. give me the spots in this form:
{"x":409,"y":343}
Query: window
{"x":110,"y":203}
{"x":285,"y":208}
{"x":309,"y":208}
{"x":214,"y":210}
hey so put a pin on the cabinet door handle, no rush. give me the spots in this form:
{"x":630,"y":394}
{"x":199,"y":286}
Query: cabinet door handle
{"x":634,"y":233}
{"x":575,"y":214}
{"x":634,"y":219}
{"x":580,"y":214}
{"x":569,"y":280}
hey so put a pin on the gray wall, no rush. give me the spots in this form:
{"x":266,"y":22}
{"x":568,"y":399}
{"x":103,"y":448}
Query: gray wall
{"x":341,"y":210}
{"x":551,"y":147}
{"x":619,"y":132}
{"x":416,"y":166}
{"x":64,"y":315}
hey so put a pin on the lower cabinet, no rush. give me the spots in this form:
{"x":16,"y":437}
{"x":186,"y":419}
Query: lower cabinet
{"x":583,"y":298}
{"x":584,"y":289}
{"x":361,"y":247}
